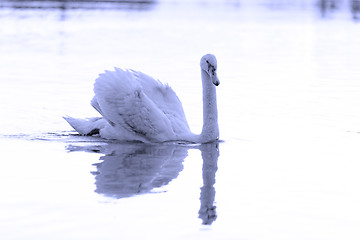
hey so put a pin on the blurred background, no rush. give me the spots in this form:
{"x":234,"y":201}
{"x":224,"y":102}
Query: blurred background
{"x":288,"y":115}
{"x":323,"y":6}
{"x":61,"y":46}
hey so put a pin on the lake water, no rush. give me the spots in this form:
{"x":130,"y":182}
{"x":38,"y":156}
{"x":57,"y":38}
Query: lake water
{"x":289,"y":161}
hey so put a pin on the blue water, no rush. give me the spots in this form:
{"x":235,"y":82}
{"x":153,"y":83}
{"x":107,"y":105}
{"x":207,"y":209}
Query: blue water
{"x":288,"y":163}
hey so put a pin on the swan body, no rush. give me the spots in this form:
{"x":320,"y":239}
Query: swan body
{"x":136,"y":107}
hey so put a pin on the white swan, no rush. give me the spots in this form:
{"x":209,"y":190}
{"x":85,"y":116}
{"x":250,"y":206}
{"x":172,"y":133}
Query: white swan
{"x":136,"y":107}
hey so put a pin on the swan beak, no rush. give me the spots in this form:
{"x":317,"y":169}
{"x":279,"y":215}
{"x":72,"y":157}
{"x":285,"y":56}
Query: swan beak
{"x":213,"y":75}
{"x":215,"y":80}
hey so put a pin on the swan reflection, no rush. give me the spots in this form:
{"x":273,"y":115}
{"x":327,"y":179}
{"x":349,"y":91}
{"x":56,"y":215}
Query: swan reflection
{"x":210,"y":155}
{"x":128,"y":169}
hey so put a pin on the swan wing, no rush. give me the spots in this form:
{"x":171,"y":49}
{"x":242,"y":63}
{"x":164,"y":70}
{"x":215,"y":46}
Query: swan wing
{"x":165,"y":99}
{"x":120,"y":98}
{"x":96,"y":105}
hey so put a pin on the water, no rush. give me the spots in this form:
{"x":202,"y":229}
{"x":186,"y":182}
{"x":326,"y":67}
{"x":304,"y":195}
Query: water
{"x":288,"y":112}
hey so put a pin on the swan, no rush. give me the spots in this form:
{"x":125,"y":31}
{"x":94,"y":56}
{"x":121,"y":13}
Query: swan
{"x":136,"y":107}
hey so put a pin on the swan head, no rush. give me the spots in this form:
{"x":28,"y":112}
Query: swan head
{"x":208,"y":63}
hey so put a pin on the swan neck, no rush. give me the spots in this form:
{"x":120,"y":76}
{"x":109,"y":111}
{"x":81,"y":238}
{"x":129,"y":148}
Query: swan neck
{"x":210,"y":130}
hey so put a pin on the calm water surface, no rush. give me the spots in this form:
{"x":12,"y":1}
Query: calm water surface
{"x":288,"y":112}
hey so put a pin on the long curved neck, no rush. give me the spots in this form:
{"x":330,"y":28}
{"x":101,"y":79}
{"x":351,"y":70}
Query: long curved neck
{"x":210,"y":130}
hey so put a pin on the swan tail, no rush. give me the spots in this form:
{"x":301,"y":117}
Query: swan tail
{"x":86,"y":127}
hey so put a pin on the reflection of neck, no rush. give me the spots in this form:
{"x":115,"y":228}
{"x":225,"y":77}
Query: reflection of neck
{"x":210,"y":154}
{"x":210,"y":130}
